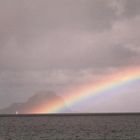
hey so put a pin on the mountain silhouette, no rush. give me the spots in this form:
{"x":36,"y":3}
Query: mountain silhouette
{"x":28,"y":107}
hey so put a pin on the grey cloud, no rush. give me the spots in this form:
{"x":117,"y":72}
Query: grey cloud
{"x":32,"y":22}
{"x":52,"y":44}
{"x":113,"y":56}
{"x":28,"y":20}
{"x":125,"y":8}
{"x":62,"y":55}
{"x":118,"y":6}
{"x":132,"y":8}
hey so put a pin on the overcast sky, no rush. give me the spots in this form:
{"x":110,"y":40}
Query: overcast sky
{"x":54,"y":44}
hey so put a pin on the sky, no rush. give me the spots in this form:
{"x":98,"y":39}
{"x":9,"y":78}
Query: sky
{"x":60,"y":44}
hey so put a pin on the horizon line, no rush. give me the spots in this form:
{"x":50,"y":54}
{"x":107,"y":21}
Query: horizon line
{"x":71,"y":114}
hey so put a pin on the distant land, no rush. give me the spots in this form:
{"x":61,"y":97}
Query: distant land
{"x":34,"y":102}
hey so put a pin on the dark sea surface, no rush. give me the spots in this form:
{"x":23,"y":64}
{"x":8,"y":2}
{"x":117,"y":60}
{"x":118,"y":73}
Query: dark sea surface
{"x":70,"y":127}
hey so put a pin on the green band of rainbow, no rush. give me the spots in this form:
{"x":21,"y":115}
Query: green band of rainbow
{"x":109,"y":82}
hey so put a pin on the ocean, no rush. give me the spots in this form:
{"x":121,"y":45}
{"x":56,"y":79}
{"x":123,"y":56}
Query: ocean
{"x":70,"y":127}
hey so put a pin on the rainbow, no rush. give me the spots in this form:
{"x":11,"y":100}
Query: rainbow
{"x":111,"y":82}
